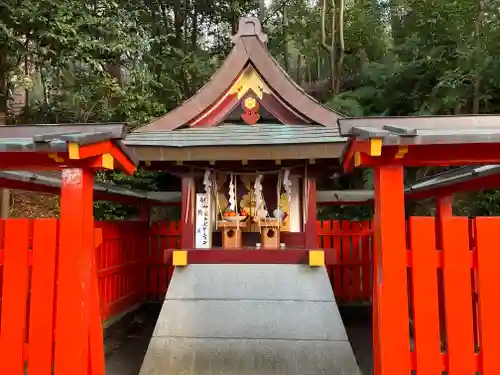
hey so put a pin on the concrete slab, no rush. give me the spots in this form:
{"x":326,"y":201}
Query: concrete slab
{"x":249,"y":319}
{"x":247,"y":282}
{"x":292,"y":320}
{"x":181,"y":356}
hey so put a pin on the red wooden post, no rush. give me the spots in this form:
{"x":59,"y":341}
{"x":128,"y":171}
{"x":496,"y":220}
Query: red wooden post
{"x":310,"y":225}
{"x":144,"y":212}
{"x":15,"y":290}
{"x":187,"y":213}
{"x":444,"y":208}
{"x":391,"y":341}
{"x":76,"y":241}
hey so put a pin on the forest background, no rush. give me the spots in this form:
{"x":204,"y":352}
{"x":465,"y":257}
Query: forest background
{"x":113,"y":60}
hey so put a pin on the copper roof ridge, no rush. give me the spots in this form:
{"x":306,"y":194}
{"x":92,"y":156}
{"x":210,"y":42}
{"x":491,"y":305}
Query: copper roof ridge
{"x":249,"y":47}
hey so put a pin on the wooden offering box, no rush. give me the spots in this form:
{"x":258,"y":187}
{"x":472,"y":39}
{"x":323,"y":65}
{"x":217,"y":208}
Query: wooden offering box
{"x":270,"y":233}
{"x":231,"y":234}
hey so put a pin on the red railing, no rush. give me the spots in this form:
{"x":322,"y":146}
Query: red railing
{"x":28,"y":283}
{"x":131,"y":269}
{"x":121,"y":251}
{"x":352,"y":244}
{"x":131,"y":266}
{"x":163,"y":235}
{"x":453,"y":298}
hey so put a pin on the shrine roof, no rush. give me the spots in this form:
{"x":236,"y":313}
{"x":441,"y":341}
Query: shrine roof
{"x":249,"y":69}
{"x":236,"y":135}
{"x":65,"y":145}
{"x":421,"y":130}
{"x":462,"y":179}
{"x":54,"y":137}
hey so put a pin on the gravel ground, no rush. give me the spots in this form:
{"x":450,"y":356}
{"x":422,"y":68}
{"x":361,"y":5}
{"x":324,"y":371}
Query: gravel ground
{"x":126,"y":342}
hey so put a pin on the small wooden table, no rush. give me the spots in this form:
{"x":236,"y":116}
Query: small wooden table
{"x":270,"y":233}
{"x":231,"y":233}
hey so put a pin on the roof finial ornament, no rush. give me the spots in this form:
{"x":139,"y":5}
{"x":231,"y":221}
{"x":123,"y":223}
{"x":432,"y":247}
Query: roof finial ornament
{"x":249,"y":26}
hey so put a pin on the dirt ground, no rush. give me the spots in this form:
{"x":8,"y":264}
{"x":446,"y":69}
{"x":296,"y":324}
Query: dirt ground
{"x":126,"y":342}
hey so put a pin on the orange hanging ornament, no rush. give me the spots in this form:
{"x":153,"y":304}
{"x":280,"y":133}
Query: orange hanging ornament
{"x":250,"y":111}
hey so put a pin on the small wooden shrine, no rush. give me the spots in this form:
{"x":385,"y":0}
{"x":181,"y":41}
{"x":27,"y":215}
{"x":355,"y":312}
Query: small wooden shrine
{"x":248,"y":147}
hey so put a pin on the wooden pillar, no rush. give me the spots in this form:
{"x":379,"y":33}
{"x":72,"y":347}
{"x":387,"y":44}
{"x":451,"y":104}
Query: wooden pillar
{"x":4,"y":203}
{"x":76,"y":241}
{"x":4,"y":193}
{"x":187,"y":212}
{"x":444,"y":208}
{"x":310,"y":201}
{"x":391,"y":343}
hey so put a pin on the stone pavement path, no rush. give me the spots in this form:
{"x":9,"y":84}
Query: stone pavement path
{"x":127,"y":341}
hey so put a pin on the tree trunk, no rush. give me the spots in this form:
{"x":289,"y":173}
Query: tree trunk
{"x":396,"y":21}
{"x":298,"y":77}
{"x":285,"y":38}
{"x":340,"y":62}
{"x":476,"y":98}
{"x":3,"y":85}
{"x":194,"y":32}
{"x":178,"y":21}
{"x":329,"y":48}
{"x":4,"y":193}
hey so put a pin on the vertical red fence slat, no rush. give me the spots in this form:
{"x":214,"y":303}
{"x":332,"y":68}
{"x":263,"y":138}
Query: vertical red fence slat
{"x":345,"y":249}
{"x":154,"y":261}
{"x":366,"y":259}
{"x":351,"y":244}
{"x":458,"y":296}
{"x":14,"y":293}
{"x":163,"y":235}
{"x":120,"y":265}
{"x":425,"y":297}
{"x":41,"y":332}
{"x":337,"y":270}
{"x":355,"y":290}
{"x":488,"y":259}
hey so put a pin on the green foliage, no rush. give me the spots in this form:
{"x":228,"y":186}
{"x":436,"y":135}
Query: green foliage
{"x":115,"y":60}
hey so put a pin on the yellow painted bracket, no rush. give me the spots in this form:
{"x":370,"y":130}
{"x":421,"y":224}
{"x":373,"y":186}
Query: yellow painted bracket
{"x":180,"y":258}
{"x":107,"y":161}
{"x":316,"y":258}
{"x":375,"y":147}
{"x":56,"y":158}
{"x":402,"y":151}
{"x":74,"y":151}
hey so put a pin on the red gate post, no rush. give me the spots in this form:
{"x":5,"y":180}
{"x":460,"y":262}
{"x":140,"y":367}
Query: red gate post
{"x":391,"y":339}
{"x":76,"y":240}
{"x":444,"y":208}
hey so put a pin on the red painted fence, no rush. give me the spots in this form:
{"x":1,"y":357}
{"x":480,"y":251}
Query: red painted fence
{"x":163,"y":235}
{"x":121,"y":251}
{"x":453,"y":298}
{"x":131,"y":270}
{"x":131,"y":267}
{"x":352,"y":244}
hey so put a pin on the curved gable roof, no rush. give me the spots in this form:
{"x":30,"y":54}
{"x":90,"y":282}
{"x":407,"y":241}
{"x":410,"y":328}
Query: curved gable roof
{"x":249,"y":48}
